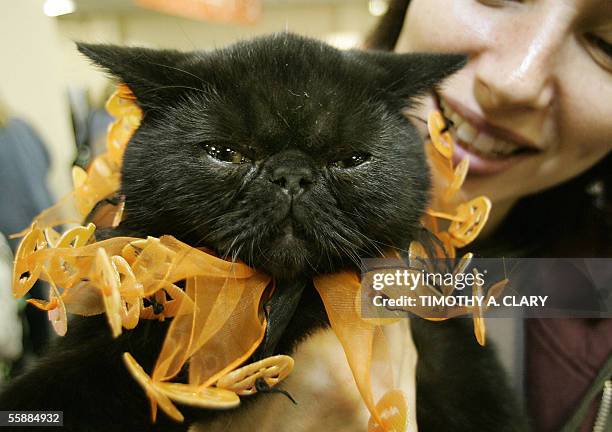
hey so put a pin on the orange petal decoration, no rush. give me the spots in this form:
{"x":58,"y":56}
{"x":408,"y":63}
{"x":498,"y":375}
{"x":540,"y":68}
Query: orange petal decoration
{"x":79,"y":176}
{"x":393,"y":409}
{"x":52,"y":236}
{"x":459,"y":175}
{"x":442,"y":141}
{"x":443,"y":215}
{"x":122,"y":106}
{"x":150,"y":388}
{"x":468,"y":219}
{"x":57,"y":315}
{"x":26,"y":271}
{"x":208,"y":397}
{"x":76,"y":237}
{"x":43,"y":304}
{"x":272,"y":370}
{"x":417,"y":252}
{"x":496,"y":290}
{"x":447,"y":243}
{"x":441,"y":166}
{"x":479,"y":324}
{"x":473,"y":216}
{"x":102,"y":178}
{"x":107,"y":279}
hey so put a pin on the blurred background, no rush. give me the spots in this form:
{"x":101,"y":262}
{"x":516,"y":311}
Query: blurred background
{"x":51,"y":100}
{"x":41,"y":67}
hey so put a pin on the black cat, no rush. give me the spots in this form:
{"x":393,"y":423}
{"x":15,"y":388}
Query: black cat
{"x":294,"y":157}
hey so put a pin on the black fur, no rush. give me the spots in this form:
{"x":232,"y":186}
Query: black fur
{"x":287,"y":102}
{"x":293,"y":107}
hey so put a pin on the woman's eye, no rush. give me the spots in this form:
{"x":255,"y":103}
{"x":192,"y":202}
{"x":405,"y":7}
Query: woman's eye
{"x":351,"y":161}
{"x":224,"y":153}
{"x":498,"y":3}
{"x":600,"y":49}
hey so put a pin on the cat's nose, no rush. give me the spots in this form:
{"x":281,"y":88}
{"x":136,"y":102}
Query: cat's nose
{"x":294,"y":180}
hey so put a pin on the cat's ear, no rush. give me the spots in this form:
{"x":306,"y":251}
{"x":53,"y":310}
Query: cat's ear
{"x":154,"y":76}
{"x":412,"y":74}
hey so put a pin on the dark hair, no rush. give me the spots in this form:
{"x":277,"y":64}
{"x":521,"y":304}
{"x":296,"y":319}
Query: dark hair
{"x":384,"y":36}
{"x":570,"y":219}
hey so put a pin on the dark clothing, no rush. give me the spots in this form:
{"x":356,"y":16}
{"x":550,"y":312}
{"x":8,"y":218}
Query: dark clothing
{"x":24,"y":164}
{"x":563,"y":358}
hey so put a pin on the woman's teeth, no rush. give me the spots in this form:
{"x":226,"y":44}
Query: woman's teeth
{"x":475,"y":140}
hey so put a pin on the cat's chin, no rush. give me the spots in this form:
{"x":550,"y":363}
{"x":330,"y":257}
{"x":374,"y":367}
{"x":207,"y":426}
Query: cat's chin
{"x":285,"y":270}
{"x":285,"y":258}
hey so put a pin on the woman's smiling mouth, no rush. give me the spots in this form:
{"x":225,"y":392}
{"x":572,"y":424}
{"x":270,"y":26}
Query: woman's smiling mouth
{"x":489,"y":148}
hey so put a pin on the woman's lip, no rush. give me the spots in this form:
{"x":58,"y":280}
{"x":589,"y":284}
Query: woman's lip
{"x":480,"y":165}
{"x":481,"y":124}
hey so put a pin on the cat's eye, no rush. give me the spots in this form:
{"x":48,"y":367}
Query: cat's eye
{"x":223,"y":153}
{"x":600,"y":50}
{"x":351,"y":161}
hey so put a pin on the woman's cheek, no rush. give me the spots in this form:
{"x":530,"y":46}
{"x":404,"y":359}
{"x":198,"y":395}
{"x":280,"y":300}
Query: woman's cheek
{"x":585,"y":113}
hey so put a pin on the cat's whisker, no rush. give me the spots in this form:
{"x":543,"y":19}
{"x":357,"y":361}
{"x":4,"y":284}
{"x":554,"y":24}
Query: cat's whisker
{"x":345,"y":245}
{"x":353,"y":248}
{"x":171,"y":87}
{"x":312,"y":267}
{"x":368,"y":240}
{"x":329,"y":260}
{"x":229,"y":249}
{"x":212,"y":233}
{"x":197,"y":227}
{"x":262,"y":253}
{"x":371,"y":239}
{"x":180,"y":70}
{"x":251,"y":251}
{"x":389,"y":246}
{"x":349,"y":253}
{"x":415,"y":117}
{"x":237,"y":252}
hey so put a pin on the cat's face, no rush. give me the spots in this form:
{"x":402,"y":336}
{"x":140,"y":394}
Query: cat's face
{"x":284,"y":152}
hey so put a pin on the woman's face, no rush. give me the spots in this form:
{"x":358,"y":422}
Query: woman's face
{"x":533,"y":106}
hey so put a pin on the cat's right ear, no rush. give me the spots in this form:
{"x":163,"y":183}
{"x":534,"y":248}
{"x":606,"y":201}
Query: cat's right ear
{"x":154,"y":76}
{"x":411,"y":74}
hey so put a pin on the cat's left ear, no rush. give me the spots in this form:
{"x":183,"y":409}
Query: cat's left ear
{"x":154,"y":76}
{"x":408,"y":75}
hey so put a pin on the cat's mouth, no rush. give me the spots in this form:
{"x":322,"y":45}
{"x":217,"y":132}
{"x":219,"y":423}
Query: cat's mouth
{"x":288,"y":252}
{"x":289,"y":234}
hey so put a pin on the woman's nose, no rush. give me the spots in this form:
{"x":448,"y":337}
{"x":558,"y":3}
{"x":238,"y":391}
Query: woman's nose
{"x":519,"y":74}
